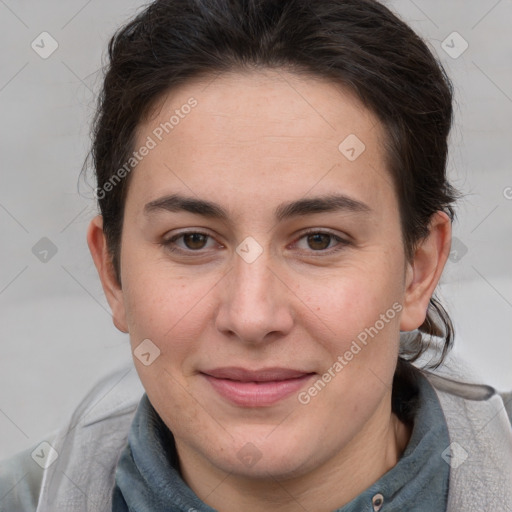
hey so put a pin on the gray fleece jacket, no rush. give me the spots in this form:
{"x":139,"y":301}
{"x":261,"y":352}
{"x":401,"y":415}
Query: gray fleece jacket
{"x":73,"y":470}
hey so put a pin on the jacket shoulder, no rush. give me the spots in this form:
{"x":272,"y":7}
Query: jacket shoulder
{"x":480,"y":450}
{"x":20,"y":481}
{"x":90,"y":445}
{"x":102,"y":416}
{"x":457,"y":386}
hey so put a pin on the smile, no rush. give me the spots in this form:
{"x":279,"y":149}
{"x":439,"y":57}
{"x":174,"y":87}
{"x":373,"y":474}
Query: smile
{"x":249,"y":388}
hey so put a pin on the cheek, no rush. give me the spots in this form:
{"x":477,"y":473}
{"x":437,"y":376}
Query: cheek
{"x":354,"y":302}
{"x":360,"y":319}
{"x":167,"y":308}
{"x":172,"y":314}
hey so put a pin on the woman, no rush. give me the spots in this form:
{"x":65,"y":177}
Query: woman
{"x":275,"y":217}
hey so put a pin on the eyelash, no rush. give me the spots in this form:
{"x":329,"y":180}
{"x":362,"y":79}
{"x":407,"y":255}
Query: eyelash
{"x":342,"y":243}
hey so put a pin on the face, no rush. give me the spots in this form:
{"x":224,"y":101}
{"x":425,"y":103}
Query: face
{"x":262,"y":257}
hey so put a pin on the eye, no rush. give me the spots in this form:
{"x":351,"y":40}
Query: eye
{"x":190,"y":241}
{"x":321,"y":241}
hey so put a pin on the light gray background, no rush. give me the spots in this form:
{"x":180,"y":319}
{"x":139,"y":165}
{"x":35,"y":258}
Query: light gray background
{"x":57,"y":338}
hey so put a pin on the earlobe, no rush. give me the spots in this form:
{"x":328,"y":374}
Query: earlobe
{"x":103,"y":261}
{"x":424,"y":271}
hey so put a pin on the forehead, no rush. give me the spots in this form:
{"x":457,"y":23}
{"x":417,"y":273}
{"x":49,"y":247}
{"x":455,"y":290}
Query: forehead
{"x":268,"y":130}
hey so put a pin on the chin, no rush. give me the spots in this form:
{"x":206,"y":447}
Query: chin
{"x":282,"y":457}
{"x":275,"y":467}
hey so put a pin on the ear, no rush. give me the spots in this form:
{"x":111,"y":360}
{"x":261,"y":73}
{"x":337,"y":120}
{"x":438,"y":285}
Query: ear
{"x":424,"y":271}
{"x":103,"y":261}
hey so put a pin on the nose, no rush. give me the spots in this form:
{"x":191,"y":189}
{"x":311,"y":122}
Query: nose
{"x":255,"y":304}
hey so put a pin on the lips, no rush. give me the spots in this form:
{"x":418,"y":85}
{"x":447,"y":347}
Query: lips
{"x":256,"y":388}
{"x":263,"y":375}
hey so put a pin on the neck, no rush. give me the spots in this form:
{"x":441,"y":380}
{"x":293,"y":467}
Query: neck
{"x":373,"y":452}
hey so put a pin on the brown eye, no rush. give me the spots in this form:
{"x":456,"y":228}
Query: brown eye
{"x":190,"y":244}
{"x":195,"y":241}
{"x":319,"y":241}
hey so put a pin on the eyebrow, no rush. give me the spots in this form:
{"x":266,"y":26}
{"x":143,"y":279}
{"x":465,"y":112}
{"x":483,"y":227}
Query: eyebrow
{"x":301,"y":207}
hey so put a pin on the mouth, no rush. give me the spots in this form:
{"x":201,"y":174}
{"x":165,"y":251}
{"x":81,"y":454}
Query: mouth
{"x":256,"y":388}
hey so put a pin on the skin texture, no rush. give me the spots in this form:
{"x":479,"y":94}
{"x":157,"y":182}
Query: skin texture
{"x":256,"y":140}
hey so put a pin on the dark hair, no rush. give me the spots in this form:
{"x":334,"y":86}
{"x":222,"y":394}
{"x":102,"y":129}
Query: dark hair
{"x":359,"y":44}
